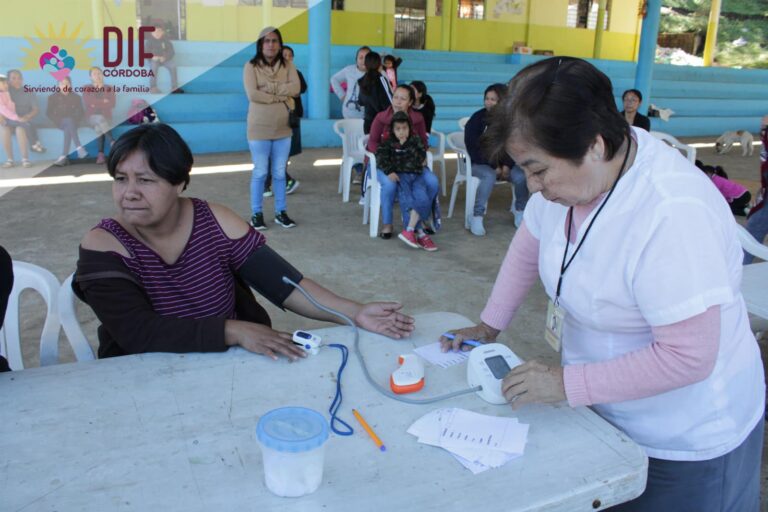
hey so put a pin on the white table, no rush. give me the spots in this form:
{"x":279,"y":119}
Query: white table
{"x":754,"y":288}
{"x":176,"y":432}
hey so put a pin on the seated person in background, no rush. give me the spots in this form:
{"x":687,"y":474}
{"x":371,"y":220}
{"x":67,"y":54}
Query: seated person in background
{"x":161,"y":47}
{"x":757,"y":220}
{"x":423,"y":103}
{"x":10,"y":123}
{"x":736,"y":194}
{"x":65,"y":109}
{"x":169,"y":273}
{"x":99,"y":102}
{"x":632,"y":99}
{"x":6,"y":285}
{"x":403,"y":158}
{"x":26,"y":107}
{"x":391,"y":63}
{"x":402,"y":101}
{"x":489,"y":172}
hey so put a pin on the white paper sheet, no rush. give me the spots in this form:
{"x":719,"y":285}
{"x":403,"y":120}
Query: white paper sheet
{"x":477,"y":441}
{"x":434,"y":355}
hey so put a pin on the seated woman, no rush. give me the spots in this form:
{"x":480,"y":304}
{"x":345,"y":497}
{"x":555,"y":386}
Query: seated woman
{"x":168,"y":273}
{"x":402,"y":101}
{"x":632,"y":99}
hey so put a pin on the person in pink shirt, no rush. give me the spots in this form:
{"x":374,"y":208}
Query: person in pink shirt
{"x":641,"y":261}
{"x":736,"y":194}
{"x":10,"y":122}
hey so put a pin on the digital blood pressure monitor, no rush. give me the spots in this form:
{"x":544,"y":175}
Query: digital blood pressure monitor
{"x":487,"y":366}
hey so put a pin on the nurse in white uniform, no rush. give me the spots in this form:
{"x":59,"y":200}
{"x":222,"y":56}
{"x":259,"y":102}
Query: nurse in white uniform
{"x":639,"y":256}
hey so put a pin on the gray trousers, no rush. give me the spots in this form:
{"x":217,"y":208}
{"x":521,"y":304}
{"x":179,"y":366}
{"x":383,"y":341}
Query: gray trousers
{"x":729,"y":483}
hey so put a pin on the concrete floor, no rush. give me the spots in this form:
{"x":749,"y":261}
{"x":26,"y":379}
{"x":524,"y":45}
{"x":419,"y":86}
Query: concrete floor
{"x":43,"y":224}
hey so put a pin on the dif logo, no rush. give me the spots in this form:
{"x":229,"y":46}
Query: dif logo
{"x":57,"y":62}
{"x":111,"y":63}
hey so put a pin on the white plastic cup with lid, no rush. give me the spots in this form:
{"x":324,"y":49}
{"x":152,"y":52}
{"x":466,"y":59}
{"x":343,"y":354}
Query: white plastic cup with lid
{"x":292,"y":443}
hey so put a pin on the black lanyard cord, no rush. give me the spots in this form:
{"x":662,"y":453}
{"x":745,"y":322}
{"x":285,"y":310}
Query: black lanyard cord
{"x":564,"y":266}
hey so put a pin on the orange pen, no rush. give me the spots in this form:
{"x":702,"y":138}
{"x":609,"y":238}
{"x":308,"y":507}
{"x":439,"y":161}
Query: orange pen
{"x":370,"y":431}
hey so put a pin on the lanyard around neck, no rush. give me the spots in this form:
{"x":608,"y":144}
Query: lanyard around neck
{"x":564,"y":266}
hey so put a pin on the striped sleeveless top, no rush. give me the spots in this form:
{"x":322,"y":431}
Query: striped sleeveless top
{"x":200,"y":284}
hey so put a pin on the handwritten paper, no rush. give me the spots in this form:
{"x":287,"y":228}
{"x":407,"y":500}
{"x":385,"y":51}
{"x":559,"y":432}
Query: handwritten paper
{"x":434,"y":355}
{"x":478,"y":441}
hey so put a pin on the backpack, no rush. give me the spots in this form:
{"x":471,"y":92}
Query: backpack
{"x":140,"y":112}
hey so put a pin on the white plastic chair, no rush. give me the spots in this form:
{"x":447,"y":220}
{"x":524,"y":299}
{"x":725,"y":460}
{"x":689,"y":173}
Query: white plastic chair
{"x":463,"y":122}
{"x":463,"y":175}
{"x":372,"y":206}
{"x":750,"y":244}
{"x":68,"y":317}
{"x":29,"y":276}
{"x":350,"y":131}
{"x":688,"y":151}
{"x":438,"y":156}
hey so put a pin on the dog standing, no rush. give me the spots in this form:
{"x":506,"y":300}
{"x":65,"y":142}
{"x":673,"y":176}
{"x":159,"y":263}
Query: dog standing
{"x":726,"y":140}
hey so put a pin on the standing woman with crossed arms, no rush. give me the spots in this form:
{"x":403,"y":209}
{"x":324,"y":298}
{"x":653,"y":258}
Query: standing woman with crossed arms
{"x":271,"y":84}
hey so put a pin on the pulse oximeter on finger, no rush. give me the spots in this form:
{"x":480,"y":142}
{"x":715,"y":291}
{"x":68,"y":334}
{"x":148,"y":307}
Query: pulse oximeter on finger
{"x":308,"y":341}
{"x":487,"y":366}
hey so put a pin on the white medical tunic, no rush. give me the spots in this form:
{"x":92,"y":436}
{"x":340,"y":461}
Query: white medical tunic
{"x":663,"y":249}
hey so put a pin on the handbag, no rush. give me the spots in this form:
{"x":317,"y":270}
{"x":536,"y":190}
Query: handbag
{"x":293,"y":119}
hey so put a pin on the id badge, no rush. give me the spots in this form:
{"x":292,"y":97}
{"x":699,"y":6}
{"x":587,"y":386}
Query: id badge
{"x":553,"y":331}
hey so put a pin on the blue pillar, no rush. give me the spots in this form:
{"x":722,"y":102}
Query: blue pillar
{"x":319,"y":59}
{"x":647,"y":53}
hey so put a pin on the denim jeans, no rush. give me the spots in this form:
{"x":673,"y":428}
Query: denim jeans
{"x":69,"y":127}
{"x":487,"y":176}
{"x":413,"y":194}
{"x":757,"y":225}
{"x":517,"y":178}
{"x":261,"y":153}
{"x":389,"y":189}
{"x":170,"y":65}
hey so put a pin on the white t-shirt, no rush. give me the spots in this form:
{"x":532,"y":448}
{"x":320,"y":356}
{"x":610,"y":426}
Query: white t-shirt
{"x":350,"y":106}
{"x":663,"y":249}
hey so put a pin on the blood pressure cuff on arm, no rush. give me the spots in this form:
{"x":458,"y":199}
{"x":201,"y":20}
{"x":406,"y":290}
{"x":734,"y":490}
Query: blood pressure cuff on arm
{"x":264,"y":270}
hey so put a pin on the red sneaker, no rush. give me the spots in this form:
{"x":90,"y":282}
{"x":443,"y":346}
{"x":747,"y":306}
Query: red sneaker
{"x":426,"y":243}
{"x":409,"y":237}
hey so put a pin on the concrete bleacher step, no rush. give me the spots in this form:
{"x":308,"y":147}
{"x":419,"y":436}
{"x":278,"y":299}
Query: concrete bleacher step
{"x":211,"y":115}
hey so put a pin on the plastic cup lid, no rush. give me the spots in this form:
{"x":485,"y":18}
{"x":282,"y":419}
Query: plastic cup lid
{"x":292,"y":429}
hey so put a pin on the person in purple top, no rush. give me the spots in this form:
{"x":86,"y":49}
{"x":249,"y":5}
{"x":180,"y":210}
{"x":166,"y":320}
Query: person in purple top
{"x":172,"y":274}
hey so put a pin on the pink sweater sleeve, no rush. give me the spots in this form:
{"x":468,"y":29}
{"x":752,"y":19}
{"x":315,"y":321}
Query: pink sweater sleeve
{"x":683,"y":353}
{"x":517,"y":274}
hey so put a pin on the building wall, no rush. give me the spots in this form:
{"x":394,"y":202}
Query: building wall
{"x":541,"y":24}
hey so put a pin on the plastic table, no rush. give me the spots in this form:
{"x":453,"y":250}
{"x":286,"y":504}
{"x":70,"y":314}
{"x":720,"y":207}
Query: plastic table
{"x":175,"y":432}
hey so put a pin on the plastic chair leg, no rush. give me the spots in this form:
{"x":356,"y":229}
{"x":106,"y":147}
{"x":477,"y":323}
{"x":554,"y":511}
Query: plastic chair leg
{"x":442,"y":172}
{"x":454,"y":193}
{"x":346,"y":178}
{"x":375,"y":212}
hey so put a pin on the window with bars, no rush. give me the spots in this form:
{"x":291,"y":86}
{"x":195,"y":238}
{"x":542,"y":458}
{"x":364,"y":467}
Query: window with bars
{"x":583,"y":14}
{"x":337,"y":5}
{"x":472,"y":9}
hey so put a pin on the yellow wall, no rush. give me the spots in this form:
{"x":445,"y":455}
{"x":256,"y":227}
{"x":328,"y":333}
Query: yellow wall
{"x":362,"y":22}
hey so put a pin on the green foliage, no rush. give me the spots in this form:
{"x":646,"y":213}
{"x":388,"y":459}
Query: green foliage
{"x":752,"y":34}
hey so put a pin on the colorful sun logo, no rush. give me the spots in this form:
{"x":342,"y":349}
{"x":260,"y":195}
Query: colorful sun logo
{"x":57,"y":62}
{"x":57,"y":51}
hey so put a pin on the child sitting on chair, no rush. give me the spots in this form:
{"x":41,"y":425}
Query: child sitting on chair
{"x":737,"y":195}
{"x":402,"y":158}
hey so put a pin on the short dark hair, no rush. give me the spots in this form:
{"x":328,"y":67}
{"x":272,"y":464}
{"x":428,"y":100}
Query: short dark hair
{"x":166,"y":152}
{"x":633,"y":91}
{"x":499,"y":88}
{"x":286,"y":47}
{"x":12,"y":71}
{"x":561,"y":105}
{"x":362,"y":48}
{"x":400,"y":117}
{"x":259,"y":59}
